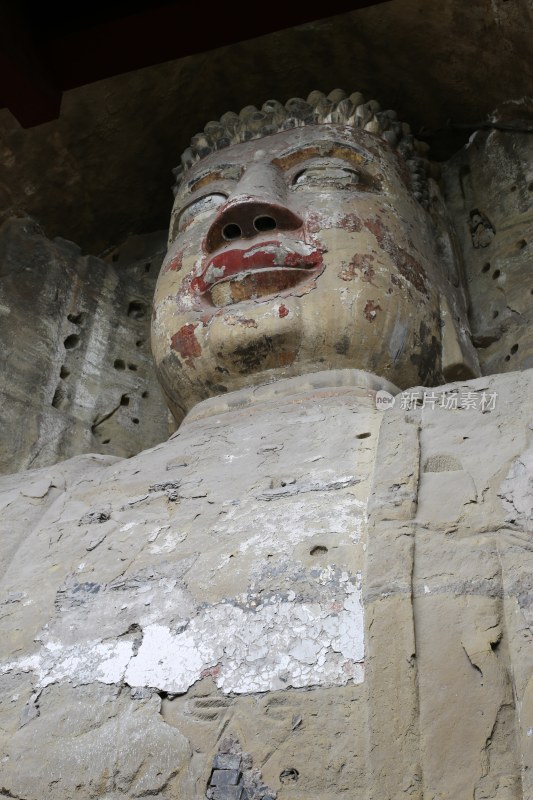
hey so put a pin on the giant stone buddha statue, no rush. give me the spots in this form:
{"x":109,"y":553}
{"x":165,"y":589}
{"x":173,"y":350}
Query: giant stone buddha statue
{"x":300,"y":594}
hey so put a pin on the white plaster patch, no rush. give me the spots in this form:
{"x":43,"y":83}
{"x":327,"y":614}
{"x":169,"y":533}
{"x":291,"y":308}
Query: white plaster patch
{"x":274,"y":645}
{"x":299,"y":519}
{"x":128,"y":526}
{"x":81,"y":663}
{"x":167,"y":544}
{"x":280,"y":644}
{"x":169,"y":660}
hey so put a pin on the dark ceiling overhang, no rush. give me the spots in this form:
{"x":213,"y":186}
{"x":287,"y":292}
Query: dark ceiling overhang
{"x":45,"y":51}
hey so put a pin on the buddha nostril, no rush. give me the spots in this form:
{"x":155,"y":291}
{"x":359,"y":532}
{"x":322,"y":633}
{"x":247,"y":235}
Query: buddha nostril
{"x":264,"y":223}
{"x":231,"y":231}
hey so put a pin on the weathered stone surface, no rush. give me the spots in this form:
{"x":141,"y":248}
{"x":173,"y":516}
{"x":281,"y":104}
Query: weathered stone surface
{"x":232,"y":601}
{"x":489,"y":188}
{"x":76,"y":373}
{"x":203,"y":591}
{"x":92,"y":741}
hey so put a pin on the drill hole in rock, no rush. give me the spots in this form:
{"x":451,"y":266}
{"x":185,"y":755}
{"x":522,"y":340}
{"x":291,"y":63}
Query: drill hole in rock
{"x":71,"y":341}
{"x":514,"y":348}
{"x":124,"y":400}
{"x":318,"y":550}
{"x":137,"y":309}
{"x":496,"y":274}
{"x":64,"y":372}
{"x":289,"y":775}
{"x":363,"y":435}
{"x":485,"y":267}
{"x":59,"y":398}
{"x":119,"y":364}
{"x":76,"y":319}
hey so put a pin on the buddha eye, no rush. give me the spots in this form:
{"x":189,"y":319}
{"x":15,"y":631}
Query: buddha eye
{"x":331,"y":175}
{"x":198,"y":209}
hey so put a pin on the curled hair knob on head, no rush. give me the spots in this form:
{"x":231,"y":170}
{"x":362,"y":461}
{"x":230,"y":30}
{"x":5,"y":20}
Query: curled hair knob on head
{"x":336,"y":107}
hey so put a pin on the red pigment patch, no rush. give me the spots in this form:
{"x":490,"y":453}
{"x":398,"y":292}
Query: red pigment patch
{"x":186,"y":344}
{"x":286,"y":357}
{"x":359,"y":265}
{"x":313,"y":223}
{"x":174,"y":265}
{"x":371,"y":310}
{"x":348,"y":667}
{"x":406,"y":265}
{"x":351,"y":222}
{"x":211,"y":672}
{"x":283,"y":311}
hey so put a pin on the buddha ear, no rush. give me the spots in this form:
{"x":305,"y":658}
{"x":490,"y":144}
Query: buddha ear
{"x":458,"y":358}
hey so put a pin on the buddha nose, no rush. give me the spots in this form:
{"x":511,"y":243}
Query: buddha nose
{"x":258,"y":205}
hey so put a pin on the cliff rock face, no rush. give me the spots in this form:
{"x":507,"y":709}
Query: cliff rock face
{"x":298,"y":595}
{"x":305,"y":592}
{"x":76,"y":370}
{"x":489,"y":187}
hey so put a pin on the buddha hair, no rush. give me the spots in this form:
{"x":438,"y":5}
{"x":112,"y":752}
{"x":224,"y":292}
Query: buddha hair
{"x":336,"y":107}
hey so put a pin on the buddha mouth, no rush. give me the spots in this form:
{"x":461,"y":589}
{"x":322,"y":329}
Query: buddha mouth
{"x":268,"y":268}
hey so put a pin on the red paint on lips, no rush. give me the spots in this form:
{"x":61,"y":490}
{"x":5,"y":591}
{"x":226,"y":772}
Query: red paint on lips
{"x":269,"y":255}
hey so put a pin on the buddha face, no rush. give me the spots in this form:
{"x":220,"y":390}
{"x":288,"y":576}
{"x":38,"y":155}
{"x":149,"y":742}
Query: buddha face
{"x":298,"y":252}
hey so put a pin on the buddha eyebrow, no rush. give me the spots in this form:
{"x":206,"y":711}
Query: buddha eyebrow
{"x":324,"y":149}
{"x":222,"y":172}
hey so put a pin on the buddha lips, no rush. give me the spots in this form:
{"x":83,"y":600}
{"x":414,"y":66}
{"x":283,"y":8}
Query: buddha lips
{"x":267,"y":268}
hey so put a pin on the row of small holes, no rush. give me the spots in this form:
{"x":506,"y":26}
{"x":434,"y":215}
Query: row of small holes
{"x":514,"y":349}
{"x":120,"y":364}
